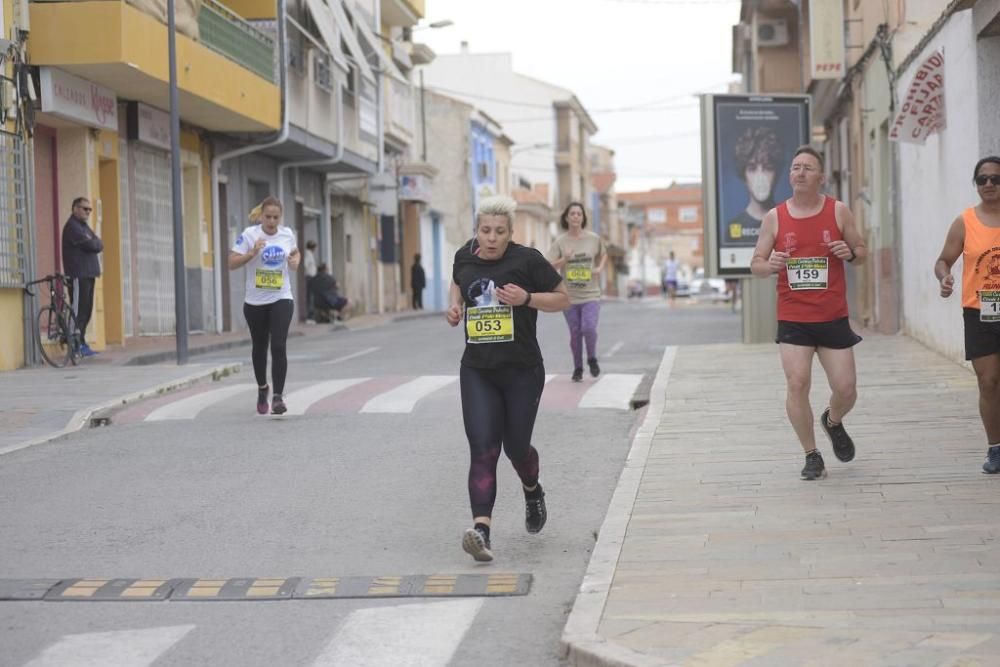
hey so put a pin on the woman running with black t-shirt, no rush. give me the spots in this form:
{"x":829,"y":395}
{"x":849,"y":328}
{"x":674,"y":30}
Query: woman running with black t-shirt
{"x":499,"y":286}
{"x":268,"y":250}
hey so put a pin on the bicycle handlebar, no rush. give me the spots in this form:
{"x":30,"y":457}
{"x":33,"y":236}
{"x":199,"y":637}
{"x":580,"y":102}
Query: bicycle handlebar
{"x":46,"y":279}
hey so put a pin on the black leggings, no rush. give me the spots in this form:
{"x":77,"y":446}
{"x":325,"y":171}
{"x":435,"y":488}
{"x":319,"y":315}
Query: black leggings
{"x":499,"y":408}
{"x":270,"y":321}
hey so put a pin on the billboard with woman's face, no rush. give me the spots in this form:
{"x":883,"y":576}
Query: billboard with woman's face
{"x":748,"y":144}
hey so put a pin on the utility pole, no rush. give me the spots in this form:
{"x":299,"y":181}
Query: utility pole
{"x":180,"y":279}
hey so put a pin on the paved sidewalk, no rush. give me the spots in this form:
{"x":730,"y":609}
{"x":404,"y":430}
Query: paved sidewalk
{"x":43,"y":403}
{"x":715,"y":553}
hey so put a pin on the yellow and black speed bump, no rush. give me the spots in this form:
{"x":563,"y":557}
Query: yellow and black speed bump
{"x":419,"y":585}
{"x":245,"y":589}
{"x":235,"y":589}
{"x":148,"y":590}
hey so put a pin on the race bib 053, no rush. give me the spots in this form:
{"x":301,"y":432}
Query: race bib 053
{"x":489,"y":324}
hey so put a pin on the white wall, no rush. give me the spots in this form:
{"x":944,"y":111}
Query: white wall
{"x":935,"y":187}
{"x":485,"y":78}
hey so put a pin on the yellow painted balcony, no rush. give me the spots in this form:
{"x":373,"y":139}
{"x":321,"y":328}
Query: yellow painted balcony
{"x":225,"y":79}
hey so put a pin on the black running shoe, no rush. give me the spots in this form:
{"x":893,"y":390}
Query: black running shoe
{"x":814,"y":466}
{"x":278,"y":405}
{"x":992,"y":465}
{"x":843,"y":446}
{"x":595,"y":370}
{"x":476,"y":544}
{"x":262,"y":399}
{"x":577,"y":375}
{"x":534,"y":513}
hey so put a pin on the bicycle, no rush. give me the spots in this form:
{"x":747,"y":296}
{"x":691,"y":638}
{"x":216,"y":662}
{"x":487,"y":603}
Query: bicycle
{"x":56,"y":331}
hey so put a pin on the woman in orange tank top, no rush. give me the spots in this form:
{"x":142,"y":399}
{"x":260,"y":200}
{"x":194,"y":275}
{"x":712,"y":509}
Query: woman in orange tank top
{"x":975,"y":235}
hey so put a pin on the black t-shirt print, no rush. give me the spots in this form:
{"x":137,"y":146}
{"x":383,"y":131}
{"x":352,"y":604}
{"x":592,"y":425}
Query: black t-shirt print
{"x":524,"y":267}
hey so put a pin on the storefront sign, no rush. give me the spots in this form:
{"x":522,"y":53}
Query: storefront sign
{"x":826,"y":38}
{"x":78,"y":100}
{"x":414,"y":187}
{"x":149,"y":125}
{"x":923,"y":110}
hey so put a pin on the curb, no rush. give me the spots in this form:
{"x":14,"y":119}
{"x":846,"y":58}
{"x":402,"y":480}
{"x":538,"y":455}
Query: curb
{"x":171,"y":355}
{"x":86,"y":416}
{"x":582,"y":644}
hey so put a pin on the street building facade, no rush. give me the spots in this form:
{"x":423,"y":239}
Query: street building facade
{"x":899,"y":152}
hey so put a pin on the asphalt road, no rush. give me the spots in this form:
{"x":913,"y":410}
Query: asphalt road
{"x":369,"y":481}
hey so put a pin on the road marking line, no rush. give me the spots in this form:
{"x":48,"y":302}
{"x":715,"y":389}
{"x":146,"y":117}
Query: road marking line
{"x":614,"y":349}
{"x":192,"y":406}
{"x":355,"y":355}
{"x":404,"y":397}
{"x":612,"y":390}
{"x":123,"y":648}
{"x":414,"y":634}
{"x":549,"y":378}
{"x":300,"y":401}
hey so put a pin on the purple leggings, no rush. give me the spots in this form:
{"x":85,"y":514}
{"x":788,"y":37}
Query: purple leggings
{"x":582,"y":320}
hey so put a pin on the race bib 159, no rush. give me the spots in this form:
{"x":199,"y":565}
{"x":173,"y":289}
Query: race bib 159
{"x":807,"y":272}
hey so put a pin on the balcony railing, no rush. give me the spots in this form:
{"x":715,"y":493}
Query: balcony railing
{"x":229,"y":34}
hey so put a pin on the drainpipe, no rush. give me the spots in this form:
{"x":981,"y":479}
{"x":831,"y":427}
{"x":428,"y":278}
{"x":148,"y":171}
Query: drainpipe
{"x":217,"y":160}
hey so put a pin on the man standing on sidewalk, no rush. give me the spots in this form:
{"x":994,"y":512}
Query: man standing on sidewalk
{"x":80,"y":248}
{"x":806,"y":241}
{"x":309,"y":266}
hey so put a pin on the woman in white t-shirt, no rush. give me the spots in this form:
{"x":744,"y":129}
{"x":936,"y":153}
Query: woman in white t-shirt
{"x":268,"y":250}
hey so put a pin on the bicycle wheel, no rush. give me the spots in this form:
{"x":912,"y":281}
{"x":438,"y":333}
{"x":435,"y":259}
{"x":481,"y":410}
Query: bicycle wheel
{"x":71,"y":334}
{"x":55,"y":345}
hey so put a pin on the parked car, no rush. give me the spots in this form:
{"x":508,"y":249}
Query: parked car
{"x":708,"y":289}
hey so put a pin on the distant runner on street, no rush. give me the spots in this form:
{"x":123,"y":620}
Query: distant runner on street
{"x":581,"y":256}
{"x":268,"y":250}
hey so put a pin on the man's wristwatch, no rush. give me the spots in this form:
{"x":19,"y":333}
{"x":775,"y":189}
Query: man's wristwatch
{"x":527,"y":300}
{"x":853,"y":256}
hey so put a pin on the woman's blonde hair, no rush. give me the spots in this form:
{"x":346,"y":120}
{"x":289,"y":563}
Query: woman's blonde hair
{"x":258,"y":210}
{"x":497,"y":205}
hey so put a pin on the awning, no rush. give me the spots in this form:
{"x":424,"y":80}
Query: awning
{"x":388,"y":66}
{"x":330,"y":19}
{"x":357,"y":53}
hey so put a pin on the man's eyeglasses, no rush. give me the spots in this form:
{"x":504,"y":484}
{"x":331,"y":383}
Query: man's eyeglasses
{"x":992,"y":178}
{"x":86,"y":208}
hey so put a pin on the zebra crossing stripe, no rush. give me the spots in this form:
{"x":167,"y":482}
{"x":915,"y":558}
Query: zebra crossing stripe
{"x":301,"y":400}
{"x":404,"y":397}
{"x":122,"y":648}
{"x":412,"y":634}
{"x":192,"y":406}
{"x":612,"y":390}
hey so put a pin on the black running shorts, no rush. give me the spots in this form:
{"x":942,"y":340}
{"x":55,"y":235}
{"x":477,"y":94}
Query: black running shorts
{"x":981,"y":338}
{"x":835,"y":335}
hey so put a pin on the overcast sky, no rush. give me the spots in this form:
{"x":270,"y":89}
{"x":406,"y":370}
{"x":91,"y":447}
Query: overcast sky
{"x":614,"y":54}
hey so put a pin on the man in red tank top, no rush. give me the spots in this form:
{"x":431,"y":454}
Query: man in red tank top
{"x":806,"y":241}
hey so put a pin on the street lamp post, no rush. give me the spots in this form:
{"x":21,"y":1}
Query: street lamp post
{"x":180,"y":279}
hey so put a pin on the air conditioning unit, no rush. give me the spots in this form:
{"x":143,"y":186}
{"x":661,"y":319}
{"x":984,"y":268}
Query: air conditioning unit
{"x":772,"y":32}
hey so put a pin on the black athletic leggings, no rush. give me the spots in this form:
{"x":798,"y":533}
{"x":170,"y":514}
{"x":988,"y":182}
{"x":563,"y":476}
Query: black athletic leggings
{"x":499,"y":408}
{"x":270,"y":321}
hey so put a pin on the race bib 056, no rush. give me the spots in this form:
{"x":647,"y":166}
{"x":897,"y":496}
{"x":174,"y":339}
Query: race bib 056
{"x":489,"y":324}
{"x":265,"y":279}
